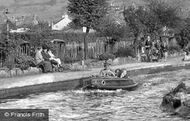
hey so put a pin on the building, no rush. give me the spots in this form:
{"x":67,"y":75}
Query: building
{"x":19,"y":30}
{"x":22,"y":23}
{"x":62,"y":23}
{"x":25,"y":20}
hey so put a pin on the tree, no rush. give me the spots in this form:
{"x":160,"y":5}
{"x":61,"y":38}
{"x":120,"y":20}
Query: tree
{"x":166,"y":12}
{"x":140,"y":21}
{"x":184,"y":36}
{"x":42,"y":26}
{"x":150,"y":18}
{"x":87,"y":13}
{"x":112,"y":30}
{"x":36,"y":34}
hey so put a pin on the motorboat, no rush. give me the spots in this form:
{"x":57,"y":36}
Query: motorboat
{"x":109,"y":83}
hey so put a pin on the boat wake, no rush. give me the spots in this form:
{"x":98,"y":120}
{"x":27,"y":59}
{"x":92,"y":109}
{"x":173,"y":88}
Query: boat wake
{"x":97,"y":91}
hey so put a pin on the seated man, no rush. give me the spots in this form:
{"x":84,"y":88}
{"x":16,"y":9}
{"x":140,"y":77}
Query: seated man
{"x":107,"y":72}
{"x":41,"y":62}
{"x":38,"y":56}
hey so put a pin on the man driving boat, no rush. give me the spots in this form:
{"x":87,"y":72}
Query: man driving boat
{"x":107,"y":71}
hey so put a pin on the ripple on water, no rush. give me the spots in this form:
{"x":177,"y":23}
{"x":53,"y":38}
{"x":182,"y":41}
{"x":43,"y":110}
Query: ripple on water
{"x":103,"y":105}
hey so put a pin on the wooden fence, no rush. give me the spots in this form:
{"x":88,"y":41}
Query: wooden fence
{"x":73,"y":50}
{"x":23,"y":49}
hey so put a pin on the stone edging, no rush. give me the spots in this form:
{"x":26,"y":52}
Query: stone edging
{"x":6,"y":73}
{"x":57,"y":82}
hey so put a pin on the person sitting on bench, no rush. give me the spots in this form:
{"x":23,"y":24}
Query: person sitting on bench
{"x":41,"y":62}
{"x":53,"y":58}
{"x":46,"y":55}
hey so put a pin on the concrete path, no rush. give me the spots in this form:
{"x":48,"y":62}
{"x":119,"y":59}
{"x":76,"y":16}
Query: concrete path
{"x":6,"y":83}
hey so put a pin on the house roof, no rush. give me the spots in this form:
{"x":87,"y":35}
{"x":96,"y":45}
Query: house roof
{"x":62,"y":23}
{"x":27,"y":20}
{"x":3,"y":26}
{"x":57,"y":20}
{"x":71,"y":30}
{"x":58,"y":40}
{"x":60,"y":19}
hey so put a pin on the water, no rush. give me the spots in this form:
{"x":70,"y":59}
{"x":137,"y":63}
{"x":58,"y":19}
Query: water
{"x":98,"y":105}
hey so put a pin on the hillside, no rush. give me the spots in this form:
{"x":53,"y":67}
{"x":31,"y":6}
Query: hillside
{"x":45,"y":9}
{"x":51,"y":9}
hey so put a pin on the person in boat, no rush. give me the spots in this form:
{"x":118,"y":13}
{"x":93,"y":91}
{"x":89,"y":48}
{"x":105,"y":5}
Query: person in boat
{"x":124,"y":74}
{"x":143,"y":51}
{"x":121,"y":73}
{"x":107,"y":71}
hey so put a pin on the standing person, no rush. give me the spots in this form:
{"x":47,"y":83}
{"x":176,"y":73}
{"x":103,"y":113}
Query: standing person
{"x":143,"y":50}
{"x":161,"y":48}
{"x":158,"y":47}
{"x":148,"y":45}
{"x":155,"y":54}
{"x":165,"y":50}
{"x":142,"y":45}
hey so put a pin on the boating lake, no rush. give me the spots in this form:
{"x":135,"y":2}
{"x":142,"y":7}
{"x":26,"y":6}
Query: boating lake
{"x":101,"y":105}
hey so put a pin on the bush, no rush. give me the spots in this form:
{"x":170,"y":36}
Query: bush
{"x":69,"y":59}
{"x":173,"y":49}
{"x":125,"y":52}
{"x":106,"y":56}
{"x":24,"y":62}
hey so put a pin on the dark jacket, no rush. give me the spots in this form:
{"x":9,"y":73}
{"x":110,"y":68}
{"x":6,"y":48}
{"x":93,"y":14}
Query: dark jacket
{"x":46,"y":56}
{"x":148,"y":44}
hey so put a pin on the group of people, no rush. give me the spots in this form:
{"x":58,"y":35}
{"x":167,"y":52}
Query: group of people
{"x":153,"y":50}
{"x":186,"y":56}
{"x":46,"y":59}
{"x":108,"y":72}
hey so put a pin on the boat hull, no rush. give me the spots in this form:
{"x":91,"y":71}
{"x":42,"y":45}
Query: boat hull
{"x":111,"y":83}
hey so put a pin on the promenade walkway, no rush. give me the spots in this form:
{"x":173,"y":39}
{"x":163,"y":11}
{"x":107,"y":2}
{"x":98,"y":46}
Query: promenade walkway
{"x":57,"y":79}
{"x":62,"y":76}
